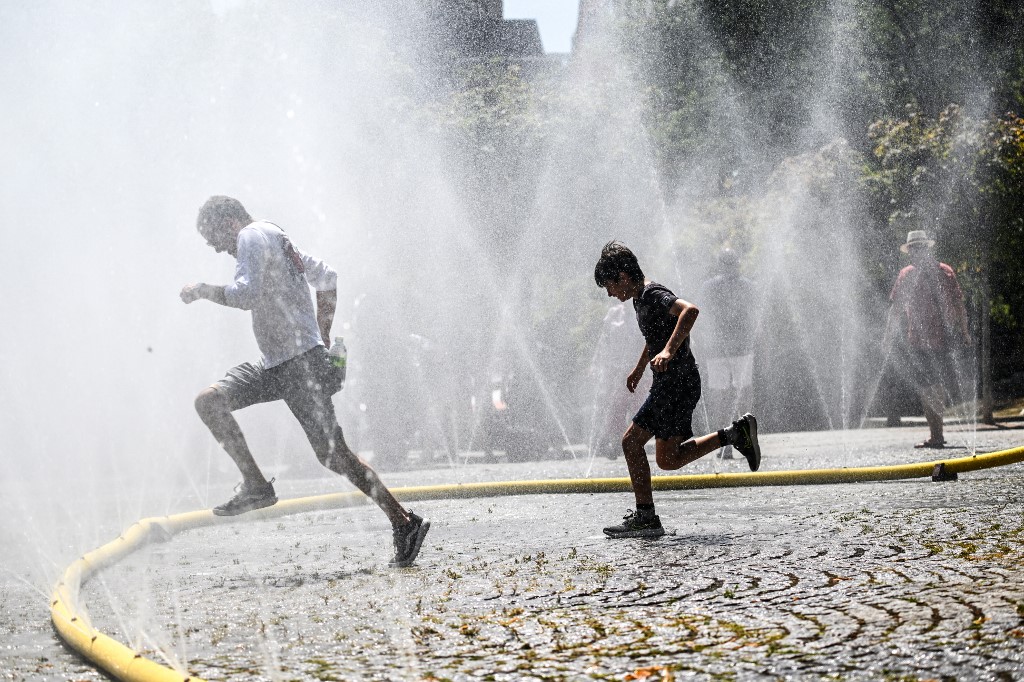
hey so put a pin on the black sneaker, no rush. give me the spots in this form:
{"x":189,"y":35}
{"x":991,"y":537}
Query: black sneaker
{"x":408,"y":540}
{"x":247,"y":499}
{"x":636,"y":525}
{"x":744,"y":432}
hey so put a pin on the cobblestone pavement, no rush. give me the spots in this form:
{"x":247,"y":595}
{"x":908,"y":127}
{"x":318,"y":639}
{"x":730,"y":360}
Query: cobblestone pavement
{"x":899,"y":580}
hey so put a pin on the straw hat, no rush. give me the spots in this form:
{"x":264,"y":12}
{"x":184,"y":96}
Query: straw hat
{"x":917,"y":238}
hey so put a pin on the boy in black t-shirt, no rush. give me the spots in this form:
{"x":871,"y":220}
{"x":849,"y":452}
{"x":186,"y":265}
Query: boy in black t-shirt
{"x":665,"y":322}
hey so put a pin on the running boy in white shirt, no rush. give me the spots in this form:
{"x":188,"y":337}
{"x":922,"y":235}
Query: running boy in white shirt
{"x":272,"y":279}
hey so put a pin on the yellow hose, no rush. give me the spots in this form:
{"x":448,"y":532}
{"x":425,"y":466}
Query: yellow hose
{"x":70,"y":618}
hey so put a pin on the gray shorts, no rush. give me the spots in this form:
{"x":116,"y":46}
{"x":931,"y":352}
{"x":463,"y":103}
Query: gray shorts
{"x":305,"y":383}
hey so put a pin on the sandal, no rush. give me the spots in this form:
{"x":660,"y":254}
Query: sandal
{"x":932,"y":444}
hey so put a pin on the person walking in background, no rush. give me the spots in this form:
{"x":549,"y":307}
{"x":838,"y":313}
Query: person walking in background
{"x":614,"y":359}
{"x":665,"y":322}
{"x":928,"y":312}
{"x":272,"y":280}
{"x":729,"y":333}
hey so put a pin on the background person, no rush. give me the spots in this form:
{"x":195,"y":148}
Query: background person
{"x":614,"y":359}
{"x":928,"y":312}
{"x":729,"y":333}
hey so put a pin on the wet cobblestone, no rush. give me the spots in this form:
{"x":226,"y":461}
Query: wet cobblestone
{"x":899,"y":580}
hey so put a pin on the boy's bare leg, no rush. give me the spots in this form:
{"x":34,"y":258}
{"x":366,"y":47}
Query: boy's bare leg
{"x":342,"y":461}
{"x":214,"y":410}
{"x":633,"y":443}
{"x":315,"y":413}
{"x":644,"y":523}
{"x":674,"y":453}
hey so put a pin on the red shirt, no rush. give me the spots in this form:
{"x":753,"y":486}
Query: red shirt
{"x":932,"y":305}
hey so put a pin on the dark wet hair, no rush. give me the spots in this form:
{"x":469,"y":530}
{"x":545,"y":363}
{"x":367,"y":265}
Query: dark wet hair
{"x":616,"y":258}
{"x":219,"y":209}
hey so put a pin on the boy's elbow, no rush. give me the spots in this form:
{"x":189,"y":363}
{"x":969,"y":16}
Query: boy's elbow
{"x":238,"y":299}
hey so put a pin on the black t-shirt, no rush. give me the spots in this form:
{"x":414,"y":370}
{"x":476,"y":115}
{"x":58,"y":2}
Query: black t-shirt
{"x":657,"y":324}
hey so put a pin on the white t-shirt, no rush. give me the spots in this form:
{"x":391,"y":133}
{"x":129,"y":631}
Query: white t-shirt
{"x":272,"y":279}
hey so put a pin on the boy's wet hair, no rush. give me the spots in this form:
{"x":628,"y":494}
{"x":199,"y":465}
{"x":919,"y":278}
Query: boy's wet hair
{"x":615,"y":258}
{"x":219,"y":209}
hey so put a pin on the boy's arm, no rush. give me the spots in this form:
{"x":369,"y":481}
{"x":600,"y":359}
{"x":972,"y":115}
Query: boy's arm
{"x":633,"y":380}
{"x":685,"y":314}
{"x":242,"y":293}
{"x":324,"y":280}
{"x":211,"y":292}
{"x":326,"y":304}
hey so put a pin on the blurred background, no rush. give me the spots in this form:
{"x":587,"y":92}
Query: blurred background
{"x":461,"y":163}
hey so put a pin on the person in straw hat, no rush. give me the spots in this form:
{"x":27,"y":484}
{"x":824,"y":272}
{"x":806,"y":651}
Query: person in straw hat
{"x":928,"y":311}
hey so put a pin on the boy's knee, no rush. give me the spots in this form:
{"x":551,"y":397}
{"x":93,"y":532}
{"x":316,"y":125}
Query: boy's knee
{"x":630,"y":442}
{"x":626,"y":443}
{"x":210,"y":402}
{"x":329,"y":460}
{"x":337,"y":457}
{"x":670,"y":458}
{"x":663,"y":460}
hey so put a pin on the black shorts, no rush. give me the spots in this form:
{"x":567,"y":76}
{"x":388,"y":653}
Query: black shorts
{"x":668,"y":410}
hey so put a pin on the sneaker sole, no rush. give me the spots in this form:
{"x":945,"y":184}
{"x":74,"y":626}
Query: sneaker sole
{"x":218,"y":511}
{"x":421,"y":533}
{"x":755,"y":459}
{"x":648,"y":533}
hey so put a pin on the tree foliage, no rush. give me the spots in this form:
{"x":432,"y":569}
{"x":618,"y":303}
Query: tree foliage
{"x":732,"y":93}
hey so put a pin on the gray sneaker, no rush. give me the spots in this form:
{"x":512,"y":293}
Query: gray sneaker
{"x":247,"y":499}
{"x":408,"y":540}
{"x":636,"y":525}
